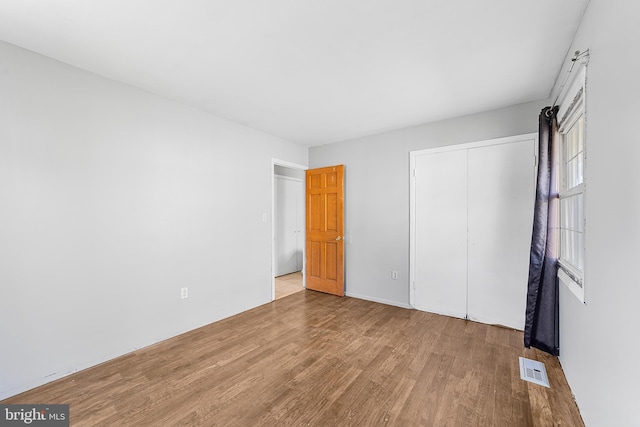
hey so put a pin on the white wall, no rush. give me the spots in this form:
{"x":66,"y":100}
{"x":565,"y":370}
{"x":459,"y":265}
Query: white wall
{"x":286,"y":171}
{"x":599,"y":344}
{"x":111,"y":200}
{"x":377,"y":192}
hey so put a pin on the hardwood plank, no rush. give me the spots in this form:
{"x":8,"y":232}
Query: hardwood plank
{"x":316,"y":359}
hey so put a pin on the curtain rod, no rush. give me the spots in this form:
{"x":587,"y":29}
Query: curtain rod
{"x":576,"y":55}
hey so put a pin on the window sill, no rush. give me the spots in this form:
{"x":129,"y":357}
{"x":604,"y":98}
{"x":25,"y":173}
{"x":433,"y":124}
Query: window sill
{"x":573,"y":286}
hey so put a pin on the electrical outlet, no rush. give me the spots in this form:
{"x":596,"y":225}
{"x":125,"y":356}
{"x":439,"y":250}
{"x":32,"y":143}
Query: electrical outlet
{"x":394,"y":274}
{"x":184,"y":293}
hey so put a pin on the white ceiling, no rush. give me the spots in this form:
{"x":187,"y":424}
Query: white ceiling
{"x":312,"y":72}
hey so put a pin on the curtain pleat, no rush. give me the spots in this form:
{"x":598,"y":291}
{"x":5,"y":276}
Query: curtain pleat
{"x":541,"y":322}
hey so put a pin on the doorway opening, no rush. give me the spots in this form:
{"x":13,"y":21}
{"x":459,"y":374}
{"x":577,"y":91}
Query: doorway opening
{"x":288,"y":284}
{"x":288,"y":228}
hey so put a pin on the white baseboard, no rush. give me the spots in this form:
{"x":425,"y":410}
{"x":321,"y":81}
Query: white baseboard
{"x":379,"y":300}
{"x":38,"y":382}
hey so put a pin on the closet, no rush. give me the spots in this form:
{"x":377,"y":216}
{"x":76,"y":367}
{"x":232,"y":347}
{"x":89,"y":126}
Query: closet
{"x":471,"y":221}
{"x":289,"y":224}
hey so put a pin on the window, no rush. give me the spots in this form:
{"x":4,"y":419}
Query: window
{"x":572,"y":190}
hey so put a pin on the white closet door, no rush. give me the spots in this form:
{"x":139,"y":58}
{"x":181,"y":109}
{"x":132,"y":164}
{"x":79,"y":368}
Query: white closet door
{"x":288,"y":194}
{"x":500,"y":206}
{"x":441,"y":233}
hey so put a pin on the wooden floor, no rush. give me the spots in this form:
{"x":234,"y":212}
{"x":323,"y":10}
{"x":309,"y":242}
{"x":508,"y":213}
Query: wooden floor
{"x":288,"y":284}
{"x":319,"y":360}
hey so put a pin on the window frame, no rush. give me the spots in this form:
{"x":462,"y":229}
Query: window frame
{"x":573,"y":106}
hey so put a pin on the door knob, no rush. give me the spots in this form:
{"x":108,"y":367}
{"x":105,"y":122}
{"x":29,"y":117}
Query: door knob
{"x":339,"y":238}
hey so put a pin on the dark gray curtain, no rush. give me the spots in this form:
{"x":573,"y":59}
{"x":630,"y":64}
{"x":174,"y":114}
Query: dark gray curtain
{"x":541,"y":323}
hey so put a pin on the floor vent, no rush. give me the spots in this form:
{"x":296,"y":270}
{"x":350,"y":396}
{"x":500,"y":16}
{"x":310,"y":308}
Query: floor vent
{"x":533,"y":371}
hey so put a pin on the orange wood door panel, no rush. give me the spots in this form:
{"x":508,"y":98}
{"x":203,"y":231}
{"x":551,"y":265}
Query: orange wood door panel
{"x":325,"y":230}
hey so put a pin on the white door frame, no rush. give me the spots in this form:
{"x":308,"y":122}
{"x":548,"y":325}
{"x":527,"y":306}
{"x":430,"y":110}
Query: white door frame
{"x":412,"y":190}
{"x":287,"y":164}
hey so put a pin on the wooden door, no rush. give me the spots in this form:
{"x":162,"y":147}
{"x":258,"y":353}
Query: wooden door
{"x":325,"y":230}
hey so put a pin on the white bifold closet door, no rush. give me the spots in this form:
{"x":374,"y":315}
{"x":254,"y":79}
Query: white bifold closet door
{"x":501,"y":197}
{"x":441,"y":233}
{"x":472,"y":230}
